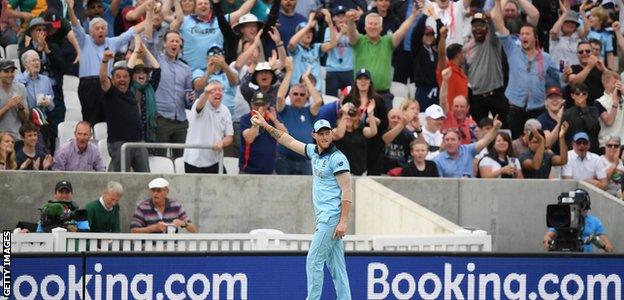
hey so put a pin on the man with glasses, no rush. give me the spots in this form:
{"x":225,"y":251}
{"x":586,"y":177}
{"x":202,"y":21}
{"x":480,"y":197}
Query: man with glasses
{"x":584,"y":165}
{"x":582,"y":117}
{"x":588,"y":71}
{"x":610,"y":108}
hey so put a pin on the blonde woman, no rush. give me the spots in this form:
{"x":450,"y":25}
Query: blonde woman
{"x":7,"y":152}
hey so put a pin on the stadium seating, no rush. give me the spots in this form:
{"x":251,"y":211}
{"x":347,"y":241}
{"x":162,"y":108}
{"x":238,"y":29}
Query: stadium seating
{"x":161,"y":165}
{"x":103,"y":148}
{"x":66,"y":131}
{"x":399,"y":89}
{"x":11,"y":52}
{"x":73,"y":114}
{"x":100,"y":131}
{"x":179,"y":165}
{"x":231,"y":165}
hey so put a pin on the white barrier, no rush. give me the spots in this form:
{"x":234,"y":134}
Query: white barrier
{"x":105,"y":242}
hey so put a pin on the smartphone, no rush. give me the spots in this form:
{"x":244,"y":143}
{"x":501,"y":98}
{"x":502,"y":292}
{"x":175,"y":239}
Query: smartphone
{"x":561,"y":65}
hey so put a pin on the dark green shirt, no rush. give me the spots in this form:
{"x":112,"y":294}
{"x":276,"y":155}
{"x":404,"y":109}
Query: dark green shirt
{"x":101,"y":220}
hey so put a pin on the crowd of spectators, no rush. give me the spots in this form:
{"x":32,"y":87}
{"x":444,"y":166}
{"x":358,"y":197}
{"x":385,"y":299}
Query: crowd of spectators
{"x":503,"y":88}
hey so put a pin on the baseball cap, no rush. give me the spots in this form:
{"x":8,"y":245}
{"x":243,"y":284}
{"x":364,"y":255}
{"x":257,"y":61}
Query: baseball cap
{"x":259,"y":98}
{"x":479,"y":17}
{"x":434,"y":111}
{"x":340,"y":9}
{"x":6,"y":64}
{"x":53,"y":17}
{"x":215,"y":49}
{"x":580,"y":136}
{"x":553,"y":90}
{"x":320,"y":124}
{"x":158,"y":183}
{"x":363,"y":72}
{"x":63,"y":185}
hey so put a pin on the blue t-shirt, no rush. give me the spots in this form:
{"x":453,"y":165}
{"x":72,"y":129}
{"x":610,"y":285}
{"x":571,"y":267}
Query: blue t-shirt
{"x":326,"y":193}
{"x":198,"y":38}
{"x":462,"y":166}
{"x":229,"y":91}
{"x":299,"y":124}
{"x":593,"y":225}
{"x":605,"y":38}
{"x":258,"y":157}
{"x":302,"y":58}
{"x":329,"y":112}
{"x":288,"y":24}
{"x":339,"y":59}
{"x":110,"y":21}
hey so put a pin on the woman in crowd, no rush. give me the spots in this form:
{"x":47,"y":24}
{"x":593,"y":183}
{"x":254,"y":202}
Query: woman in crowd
{"x":500,"y":162}
{"x":7,"y":152}
{"x":354,"y":130}
{"x":612,"y":162}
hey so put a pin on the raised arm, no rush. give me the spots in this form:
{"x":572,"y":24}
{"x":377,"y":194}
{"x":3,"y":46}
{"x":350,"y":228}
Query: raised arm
{"x":333,"y":36}
{"x":178,"y":16}
{"x":149,"y":21}
{"x":315,"y":107}
{"x":292,"y":44}
{"x":284,"y":85}
{"x":556,"y":28}
{"x":531,"y":11}
{"x":352,"y":33}
{"x":442,"y":48}
{"x":562,"y":158}
{"x":242,"y":59}
{"x":370,"y":130}
{"x":398,"y":36}
{"x":105,"y":82}
{"x":279,"y":135}
{"x":536,"y":162}
{"x":490,"y":136}
{"x":136,"y":14}
{"x":497,"y":18}
{"x":71,"y":14}
{"x":391,"y":134}
{"x":446,"y":74}
{"x":243,"y":10}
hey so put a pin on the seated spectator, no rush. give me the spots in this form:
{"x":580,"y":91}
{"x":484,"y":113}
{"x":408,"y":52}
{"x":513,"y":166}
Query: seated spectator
{"x":351,"y":135}
{"x":582,"y":117}
{"x":159,"y":213}
{"x":123,"y":118}
{"x":256,"y":143}
{"x":145,"y":80}
{"x":431,"y":132}
{"x":501,"y":161}
{"x":305,"y":53}
{"x":63,"y":195}
{"x":79,"y":154}
{"x":217,"y":69}
{"x":208,"y":125}
{"x":456,"y":160}
{"x":610,"y":108}
{"x":614,"y":167}
{"x":30,"y":157}
{"x":550,"y":120}
{"x":485,"y":125}
{"x":298,"y":120}
{"x":585,"y":165}
{"x":413,"y":126}
{"x":420,"y":166}
{"x":398,"y":139}
{"x":7,"y":152}
{"x":457,"y":115}
{"x":103,"y":214}
{"x":13,"y":102}
{"x":521,"y":144}
{"x":539,"y":160}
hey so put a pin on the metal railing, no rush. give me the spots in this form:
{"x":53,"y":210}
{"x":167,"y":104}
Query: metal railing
{"x":126,"y":146}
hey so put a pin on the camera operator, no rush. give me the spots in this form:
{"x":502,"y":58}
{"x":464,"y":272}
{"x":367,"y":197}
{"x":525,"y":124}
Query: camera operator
{"x":592,"y":233}
{"x":63,"y":195}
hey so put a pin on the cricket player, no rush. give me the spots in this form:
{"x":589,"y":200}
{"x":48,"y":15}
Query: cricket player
{"x":331,"y":194}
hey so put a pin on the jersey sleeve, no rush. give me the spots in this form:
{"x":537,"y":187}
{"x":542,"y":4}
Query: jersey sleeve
{"x":309,"y":150}
{"x":339,"y":164}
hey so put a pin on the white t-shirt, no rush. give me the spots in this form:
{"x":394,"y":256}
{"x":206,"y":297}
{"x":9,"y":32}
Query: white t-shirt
{"x":615,"y":129}
{"x":454,"y":17}
{"x":590,"y":167}
{"x":614,"y":186}
{"x":207,"y":127}
{"x":432,"y":139}
{"x":489,"y":162}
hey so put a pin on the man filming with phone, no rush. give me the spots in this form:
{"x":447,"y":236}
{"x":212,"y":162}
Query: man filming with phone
{"x":159,"y":213}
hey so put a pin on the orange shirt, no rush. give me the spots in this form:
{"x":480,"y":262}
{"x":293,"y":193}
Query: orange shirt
{"x":464,"y":127}
{"x":457,"y":85}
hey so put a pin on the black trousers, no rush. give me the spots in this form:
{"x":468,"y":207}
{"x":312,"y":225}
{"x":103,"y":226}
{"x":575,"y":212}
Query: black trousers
{"x":214,"y":169}
{"x":493,"y":102}
{"x":403,"y":64}
{"x":90,"y":94}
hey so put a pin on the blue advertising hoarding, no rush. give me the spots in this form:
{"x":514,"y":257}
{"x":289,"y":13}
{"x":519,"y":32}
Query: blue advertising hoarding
{"x":282,"y":276}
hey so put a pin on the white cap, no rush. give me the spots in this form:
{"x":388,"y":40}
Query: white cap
{"x":434,"y":111}
{"x":158,"y":183}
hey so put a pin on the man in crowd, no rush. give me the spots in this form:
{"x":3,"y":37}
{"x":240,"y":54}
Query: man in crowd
{"x":92,"y":48}
{"x":610,"y":108}
{"x":458,"y":116}
{"x":585,"y":165}
{"x":159,"y":213}
{"x":103,"y":213}
{"x":588,"y":71}
{"x":123,"y":118}
{"x":582,"y":117}
{"x":521,"y":144}
{"x":79,"y":154}
{"x":550,"y":120}
{"x":13,"y":103}
{"x":63,"y":195}
{"x":208,"y":125}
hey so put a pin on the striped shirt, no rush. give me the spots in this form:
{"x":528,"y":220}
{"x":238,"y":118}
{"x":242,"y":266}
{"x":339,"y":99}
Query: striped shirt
{"x":146,"y":214}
